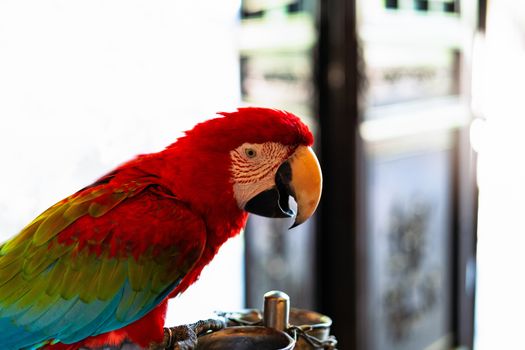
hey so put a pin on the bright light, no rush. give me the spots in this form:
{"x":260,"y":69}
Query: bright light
{"x":500,"y":304}
{"x":86,"y":85}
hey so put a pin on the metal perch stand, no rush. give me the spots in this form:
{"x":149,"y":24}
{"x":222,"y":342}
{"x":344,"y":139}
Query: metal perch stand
{"x":276,"y":328}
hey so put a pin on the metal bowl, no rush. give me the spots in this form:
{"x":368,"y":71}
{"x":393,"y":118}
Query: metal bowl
{"x":314,"y":323}
{"x":246,"y":338}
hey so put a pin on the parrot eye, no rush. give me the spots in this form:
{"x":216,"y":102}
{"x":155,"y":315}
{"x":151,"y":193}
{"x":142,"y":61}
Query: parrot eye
{"x":250,"y":152}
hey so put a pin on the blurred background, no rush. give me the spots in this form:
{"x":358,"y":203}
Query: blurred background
{"x":417,"y":110}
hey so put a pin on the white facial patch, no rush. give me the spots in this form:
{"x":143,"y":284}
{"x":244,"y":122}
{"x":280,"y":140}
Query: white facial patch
{"x":253,"y":168}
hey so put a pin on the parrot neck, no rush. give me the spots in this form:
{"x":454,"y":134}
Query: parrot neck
{"x":202,"y":180}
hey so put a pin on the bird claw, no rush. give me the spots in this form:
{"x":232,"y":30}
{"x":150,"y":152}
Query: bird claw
{"x":185,"y":337}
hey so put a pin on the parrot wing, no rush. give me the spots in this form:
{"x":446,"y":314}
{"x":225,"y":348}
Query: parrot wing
{"x":95,"y":262}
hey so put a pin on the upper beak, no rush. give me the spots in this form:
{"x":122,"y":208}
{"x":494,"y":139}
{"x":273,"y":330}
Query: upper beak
{"x":300,"y":177}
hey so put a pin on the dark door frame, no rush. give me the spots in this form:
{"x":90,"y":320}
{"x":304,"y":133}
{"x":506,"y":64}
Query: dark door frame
{"x":340,"y":245}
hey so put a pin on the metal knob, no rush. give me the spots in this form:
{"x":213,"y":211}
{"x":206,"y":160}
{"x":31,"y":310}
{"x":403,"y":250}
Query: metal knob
{"x":276,"y":310}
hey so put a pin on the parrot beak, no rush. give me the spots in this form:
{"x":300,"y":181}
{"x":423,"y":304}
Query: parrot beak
{"x":300,"y":177}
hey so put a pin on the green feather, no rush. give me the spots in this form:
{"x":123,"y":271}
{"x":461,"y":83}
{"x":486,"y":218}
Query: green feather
{"x":37,"y":288}
{"x":34,"y":266}
{"x":56,"y":275}
{"x":110,"y":277}
{"x":89,"y":291}
{"x":10,"y":293}
{"x":104,"y":204}
{"x":12,"y":257}
{"x":76,"y":210}
{"x":20,"y":242}
{"x":139,"y":273}
{"x":52,"y":225}
{"x":7,"y":273}
{"x":67,"y":287}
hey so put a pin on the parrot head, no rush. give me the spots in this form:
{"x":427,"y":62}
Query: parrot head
{"x":263,"y":154}
{"x":275,"y":163}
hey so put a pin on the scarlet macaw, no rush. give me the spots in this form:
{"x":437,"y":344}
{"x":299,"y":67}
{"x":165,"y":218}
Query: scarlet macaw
{"x":97,"y":268}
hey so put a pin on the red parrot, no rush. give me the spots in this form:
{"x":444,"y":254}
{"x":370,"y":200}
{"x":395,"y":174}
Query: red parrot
{"x":97,"y":268}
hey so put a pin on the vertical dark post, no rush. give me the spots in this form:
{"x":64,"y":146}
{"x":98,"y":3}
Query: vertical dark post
{"x":465,"y":227}
{"x":339,"y":234}
{"x":482,"y":15}
{"x":464,"y":238}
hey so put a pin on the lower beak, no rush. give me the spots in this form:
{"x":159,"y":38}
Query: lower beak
{"x":300,"y":177}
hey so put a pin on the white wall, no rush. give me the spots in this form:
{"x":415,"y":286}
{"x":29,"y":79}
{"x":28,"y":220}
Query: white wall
{"x":86,"y":85}
{"x":500,"y":301}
